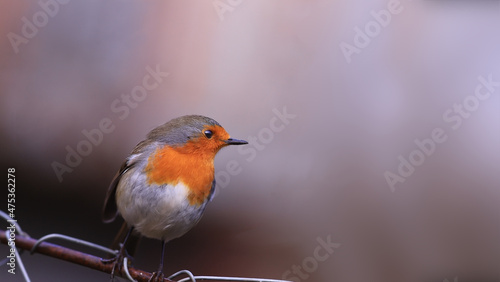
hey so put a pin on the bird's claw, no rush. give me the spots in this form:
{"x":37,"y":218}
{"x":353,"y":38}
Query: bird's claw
{"x":117,"y":261}
{"x":157,"y":277}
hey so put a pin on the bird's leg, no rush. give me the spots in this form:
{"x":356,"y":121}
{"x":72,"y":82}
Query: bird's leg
{"x":118,"y":259}
{"x":158,"y":275}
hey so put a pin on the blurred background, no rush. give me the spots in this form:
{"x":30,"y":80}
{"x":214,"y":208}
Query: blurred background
{"x":327,"y":124}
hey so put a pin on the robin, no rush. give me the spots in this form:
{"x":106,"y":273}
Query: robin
{"x":164,"y":186}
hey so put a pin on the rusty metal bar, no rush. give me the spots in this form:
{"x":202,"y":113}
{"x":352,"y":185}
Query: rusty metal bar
{"x":73,"y":256}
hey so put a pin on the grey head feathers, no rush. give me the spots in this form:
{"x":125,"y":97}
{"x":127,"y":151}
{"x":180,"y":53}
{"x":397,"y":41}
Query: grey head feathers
{"x":176,"y":131}
{"x":180,"y":130}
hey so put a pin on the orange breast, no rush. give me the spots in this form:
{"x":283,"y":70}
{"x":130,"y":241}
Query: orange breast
{"x":194,"y":168}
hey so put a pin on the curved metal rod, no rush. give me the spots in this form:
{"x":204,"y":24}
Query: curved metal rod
{"x":125,"y":263}
{"x":238,"y":279}
{"x":187,"y":272}
{"x":74,"y":240}
{"x":9,"y":219}
{"x":20,"y":262}
{"x":17,"y":253}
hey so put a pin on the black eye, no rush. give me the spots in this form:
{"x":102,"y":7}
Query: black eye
{"x":208,"y":133}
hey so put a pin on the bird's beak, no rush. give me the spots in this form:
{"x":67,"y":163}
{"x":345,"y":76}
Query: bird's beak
{"x":232,"y":141}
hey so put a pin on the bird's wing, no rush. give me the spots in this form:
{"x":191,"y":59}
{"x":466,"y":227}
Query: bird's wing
{"x":110,"y":210}
{"x":212,"y":191}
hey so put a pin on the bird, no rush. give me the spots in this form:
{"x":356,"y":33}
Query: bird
{"x":164,"y":185}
